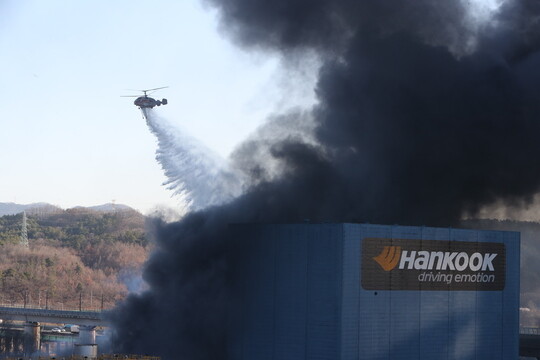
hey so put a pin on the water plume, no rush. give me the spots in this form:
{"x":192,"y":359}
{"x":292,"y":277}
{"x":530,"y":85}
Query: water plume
{"x":196,"y":174}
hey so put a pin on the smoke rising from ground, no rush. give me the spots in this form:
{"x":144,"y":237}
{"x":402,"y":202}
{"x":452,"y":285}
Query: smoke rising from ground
{"x":424,"y":115}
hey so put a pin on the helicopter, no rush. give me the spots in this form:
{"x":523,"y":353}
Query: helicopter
{"x":145,"y":101}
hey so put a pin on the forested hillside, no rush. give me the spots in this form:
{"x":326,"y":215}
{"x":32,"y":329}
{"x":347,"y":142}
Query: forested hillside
{"x":74,"y":256}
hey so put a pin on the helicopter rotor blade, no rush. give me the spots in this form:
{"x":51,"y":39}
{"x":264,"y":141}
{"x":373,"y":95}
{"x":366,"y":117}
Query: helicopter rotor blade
{"x":159,"y":88}
{"x":146,"y":90}
{"x":129,"y":95}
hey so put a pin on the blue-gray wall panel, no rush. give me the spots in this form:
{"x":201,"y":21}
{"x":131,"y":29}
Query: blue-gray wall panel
{"x":434,"y":307}
{"x":291,"y":274}
{"x":350,"y":283}
{"x":374,"y":306}
{"x":510,"y":311}
{"x":324,"y":292}
{"x":259,"y":284}
{"x":289,"y":296}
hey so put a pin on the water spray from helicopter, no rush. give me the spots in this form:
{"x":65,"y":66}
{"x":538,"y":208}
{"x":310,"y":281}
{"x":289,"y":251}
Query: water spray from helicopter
{"x":198,"y":176}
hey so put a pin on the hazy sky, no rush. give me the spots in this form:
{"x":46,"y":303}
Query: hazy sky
{"x":68,"y":138}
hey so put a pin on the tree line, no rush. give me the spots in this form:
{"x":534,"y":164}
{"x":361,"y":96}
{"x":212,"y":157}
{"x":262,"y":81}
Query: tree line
{"x":76,"y":258}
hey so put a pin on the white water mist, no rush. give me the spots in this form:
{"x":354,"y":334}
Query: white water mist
{"x":194,"y":172}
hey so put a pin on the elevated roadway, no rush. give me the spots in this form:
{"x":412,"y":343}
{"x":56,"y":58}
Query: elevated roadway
{"x":85,"y":318}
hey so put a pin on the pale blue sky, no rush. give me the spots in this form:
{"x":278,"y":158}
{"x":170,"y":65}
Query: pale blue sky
{"x":66,"y":135}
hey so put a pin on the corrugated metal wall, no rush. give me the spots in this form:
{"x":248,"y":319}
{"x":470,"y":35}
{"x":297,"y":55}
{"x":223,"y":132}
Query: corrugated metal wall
{"x":299,"y":293}
{"x":289,"y":286}
{"x":429,"y":324}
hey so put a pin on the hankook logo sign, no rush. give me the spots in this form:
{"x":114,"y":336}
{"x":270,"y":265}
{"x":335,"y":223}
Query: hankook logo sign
{"x":399,"y":264}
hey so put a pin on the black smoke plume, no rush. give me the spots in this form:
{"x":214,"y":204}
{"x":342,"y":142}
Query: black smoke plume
{"x":425,"y":113}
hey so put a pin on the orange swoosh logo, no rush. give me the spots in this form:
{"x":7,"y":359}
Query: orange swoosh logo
{"x":389,"y":257}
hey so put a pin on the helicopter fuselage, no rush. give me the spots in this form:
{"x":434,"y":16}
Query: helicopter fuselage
{"x":145,"y":102}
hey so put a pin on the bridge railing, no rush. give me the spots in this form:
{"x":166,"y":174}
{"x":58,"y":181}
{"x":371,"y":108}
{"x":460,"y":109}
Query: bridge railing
{"x":51,"y":307}
{"x":100,"y":357}
{"x":91,"y":318}
{"x":50,"y":312}
{"x":529,"y":330}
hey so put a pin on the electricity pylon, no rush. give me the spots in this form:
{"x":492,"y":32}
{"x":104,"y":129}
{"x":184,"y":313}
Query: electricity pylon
{"x":24,"y":232}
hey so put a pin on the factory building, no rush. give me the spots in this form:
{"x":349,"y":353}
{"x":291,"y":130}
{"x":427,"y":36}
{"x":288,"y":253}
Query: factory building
{"x":354,"y":291}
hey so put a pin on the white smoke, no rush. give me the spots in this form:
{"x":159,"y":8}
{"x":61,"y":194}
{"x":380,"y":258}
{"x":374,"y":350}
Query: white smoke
{"x":481,"y":12}
{"x":199,"y":176}
{"x":480,"y":17}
